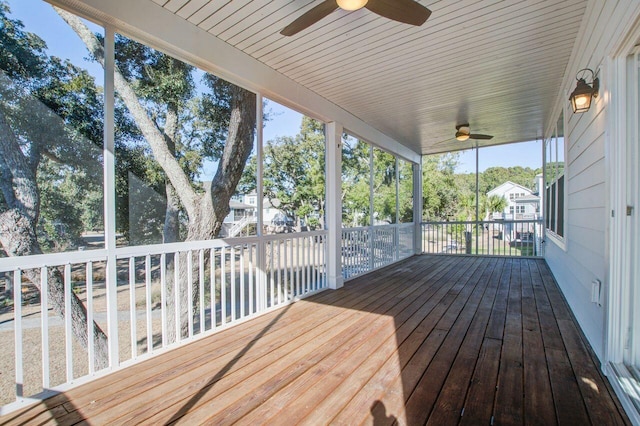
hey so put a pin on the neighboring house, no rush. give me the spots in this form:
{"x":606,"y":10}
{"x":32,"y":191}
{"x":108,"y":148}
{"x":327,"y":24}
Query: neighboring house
{"x":269,"y":212}
{"x":522,"y":203}
{"x":239,"y":210}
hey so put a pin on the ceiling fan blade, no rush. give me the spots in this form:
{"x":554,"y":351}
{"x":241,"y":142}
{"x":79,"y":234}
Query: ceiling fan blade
{"x":407,"y":11}
{"x":481,"y":137}
{"x":310,"y":17}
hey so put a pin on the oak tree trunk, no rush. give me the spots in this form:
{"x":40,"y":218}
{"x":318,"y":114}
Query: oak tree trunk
{"x":18,"y":238}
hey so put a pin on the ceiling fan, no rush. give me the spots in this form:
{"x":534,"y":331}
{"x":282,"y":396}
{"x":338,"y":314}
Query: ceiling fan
{"x":406,"y":11}
{"x":463,"y":133}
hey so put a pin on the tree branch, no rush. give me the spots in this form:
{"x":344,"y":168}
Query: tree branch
{"x":18,"y":179}
{"x":147,"y":126}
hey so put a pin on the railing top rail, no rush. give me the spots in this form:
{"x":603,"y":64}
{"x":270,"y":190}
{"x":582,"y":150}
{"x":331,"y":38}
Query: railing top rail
{"x":51,"y":259}
{"x":472,"y":222}
{"x":386,"y":226}
{"x":85,"y":256}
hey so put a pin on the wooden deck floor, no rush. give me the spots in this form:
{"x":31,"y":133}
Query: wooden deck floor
{"x":436,"y":340}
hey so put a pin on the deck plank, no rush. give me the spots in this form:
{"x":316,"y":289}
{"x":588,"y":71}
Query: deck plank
{"x":456,"y":321}
{"x":413,"y":343}
{"x":450,"y":403}
{"x":272,"y":407}
{"x":538,"y":407}
{"x":570,"y":409}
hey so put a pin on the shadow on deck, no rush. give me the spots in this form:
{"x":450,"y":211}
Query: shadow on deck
{"x":433,"y":339}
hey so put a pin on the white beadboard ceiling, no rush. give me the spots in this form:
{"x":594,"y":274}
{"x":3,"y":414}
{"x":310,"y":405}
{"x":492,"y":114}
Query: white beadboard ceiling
{"x":496,"y":64}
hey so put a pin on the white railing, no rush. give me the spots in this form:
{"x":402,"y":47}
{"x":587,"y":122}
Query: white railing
{"x":493,"y":238}
{"x":218,"y":283}
{"x":368,"y":248}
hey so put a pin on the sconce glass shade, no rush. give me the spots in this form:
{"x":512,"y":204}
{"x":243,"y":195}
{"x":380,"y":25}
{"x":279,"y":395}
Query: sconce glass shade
{"x":583,"y":94}
{"x":351,"y":4}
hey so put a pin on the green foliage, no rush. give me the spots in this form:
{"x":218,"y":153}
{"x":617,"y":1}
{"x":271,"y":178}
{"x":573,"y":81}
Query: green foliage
{"x":405,"y":192}
{"x":440,"y":191}
{"x":355,"y":182}
{"x":294,"y":173}
{"x":384,"y":187}
{"x":54,"y":109}
{"x":494,"y":203}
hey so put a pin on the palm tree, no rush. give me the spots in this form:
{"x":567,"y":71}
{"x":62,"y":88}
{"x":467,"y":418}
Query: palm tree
{"x":494,"y":204}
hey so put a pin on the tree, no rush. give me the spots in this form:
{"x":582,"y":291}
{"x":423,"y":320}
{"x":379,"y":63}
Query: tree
{"x":205,"y":211}
{"x":42,"y":124}
{"x":439,"y":187}
{"x":494,"y":203}
{"x":356,"y":167}
{"x":293,"y":176}
{"x":384,"y":187}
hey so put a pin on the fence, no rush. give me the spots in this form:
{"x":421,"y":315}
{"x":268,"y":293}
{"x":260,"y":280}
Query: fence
{"x":493,"y":238}
{"x":163,"y":295}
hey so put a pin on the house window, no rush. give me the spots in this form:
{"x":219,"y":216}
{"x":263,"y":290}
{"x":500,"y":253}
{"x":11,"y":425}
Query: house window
{"x":520,"y":209}
{"x":512,"y":196}
{"x":554,"y":180}
{"x":511,"y":209}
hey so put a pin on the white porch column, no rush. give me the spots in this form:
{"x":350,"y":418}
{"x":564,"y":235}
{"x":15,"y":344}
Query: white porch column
{"x":110,"y":198}
{"x":333,"y":206}
{"x":417,"y":207}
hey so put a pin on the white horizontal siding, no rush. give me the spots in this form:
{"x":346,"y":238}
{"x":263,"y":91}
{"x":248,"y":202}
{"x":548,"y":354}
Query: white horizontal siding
{"x":583,"y":258}
{"x":575,"y":282}
{"x":584,"y":218}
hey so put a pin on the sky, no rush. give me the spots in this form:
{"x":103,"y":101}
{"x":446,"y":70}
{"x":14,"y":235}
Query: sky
{"x":40,"y":18}
{"x":524,"y":154}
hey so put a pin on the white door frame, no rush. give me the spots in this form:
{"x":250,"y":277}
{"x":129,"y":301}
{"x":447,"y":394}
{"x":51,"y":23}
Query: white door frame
{"x":623,"y":241}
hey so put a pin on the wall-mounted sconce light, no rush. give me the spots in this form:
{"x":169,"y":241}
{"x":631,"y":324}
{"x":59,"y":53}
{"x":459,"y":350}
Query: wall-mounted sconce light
{"x":583,"y":94}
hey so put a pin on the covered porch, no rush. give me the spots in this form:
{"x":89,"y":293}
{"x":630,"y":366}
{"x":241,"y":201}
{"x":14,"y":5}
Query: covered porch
{"x":342,"y":313}
{"x":433,"y":339}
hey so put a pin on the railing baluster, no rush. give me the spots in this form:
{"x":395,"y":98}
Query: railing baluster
{"x":251,"y":299}
{"x":17,"y":320}
{"x":163,"y":297}
{"x":242,"y":290}
{"x":298,"y":273}
{"x":314,"y":262}
{"x":223,"y":287}
{"x":68,"y":333}
{"x":90,"y":324}
{"x":176,"y":294}
{"x":292,"y":280}
{"x":232,"y":284}
{"x":272,"y":273}
{"x":190,"y":292}
{"x":44,"y":317}
{"x":278,"y":272}
{"x":132,"y":306}
{"x":201,"y":289}
{"x":147,"y":285}
{"x":213,"y":289}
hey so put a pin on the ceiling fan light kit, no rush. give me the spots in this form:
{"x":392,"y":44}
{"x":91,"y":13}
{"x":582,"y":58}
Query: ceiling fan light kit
{"x":405,"y":11}
{"x":462,"y":136}
{"x":351,"y":4}
{"x":463,"y":132}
